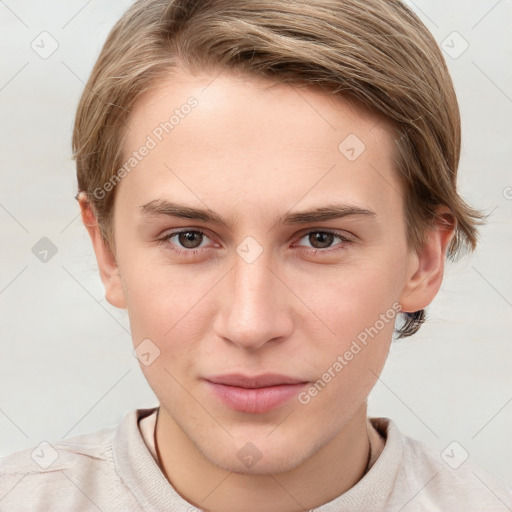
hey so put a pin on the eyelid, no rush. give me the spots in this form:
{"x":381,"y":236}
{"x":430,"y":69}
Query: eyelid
{"x":167,"y":235}
{"x":344,"y":239}
{"x":342,"y":234}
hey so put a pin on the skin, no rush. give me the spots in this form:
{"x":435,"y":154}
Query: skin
{"x":252,"y":151}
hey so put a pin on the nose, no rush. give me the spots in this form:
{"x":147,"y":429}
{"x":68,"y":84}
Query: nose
{"x":256,"y":306}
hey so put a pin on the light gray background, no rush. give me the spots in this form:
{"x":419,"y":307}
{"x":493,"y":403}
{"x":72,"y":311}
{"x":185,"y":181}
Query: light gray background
{"x":66,"y":364}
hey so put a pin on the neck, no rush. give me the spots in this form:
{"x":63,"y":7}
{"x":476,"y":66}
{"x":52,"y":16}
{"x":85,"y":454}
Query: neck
{"x":333,"y":469}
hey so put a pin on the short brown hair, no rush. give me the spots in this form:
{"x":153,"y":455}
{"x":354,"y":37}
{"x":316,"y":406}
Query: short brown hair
{"x":377,"y":52}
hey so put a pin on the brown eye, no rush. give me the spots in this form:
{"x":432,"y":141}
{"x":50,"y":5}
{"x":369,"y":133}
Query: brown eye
{"x":186,"y":242}
{"x":190,"y":239}
{"x":321,"y":242}
{"x":321,"y":239}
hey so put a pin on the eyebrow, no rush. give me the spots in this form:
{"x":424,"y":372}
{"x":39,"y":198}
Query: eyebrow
{"x":319,"y":214}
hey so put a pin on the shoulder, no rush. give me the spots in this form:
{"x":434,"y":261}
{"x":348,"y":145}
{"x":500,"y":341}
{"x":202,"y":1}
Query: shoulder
{"x":78,"y":471}
{"x":448,"y":480}
{"x":53,"y":456}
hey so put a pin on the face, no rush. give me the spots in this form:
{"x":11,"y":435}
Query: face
{"x":262,"y":233}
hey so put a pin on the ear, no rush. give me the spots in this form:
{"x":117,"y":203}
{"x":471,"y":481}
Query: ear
{"x":426,"y":268}
{"x":109,"y":271}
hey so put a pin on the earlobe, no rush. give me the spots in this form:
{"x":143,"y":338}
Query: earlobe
{"x":426,"y":268}
{"x":107,"y":264}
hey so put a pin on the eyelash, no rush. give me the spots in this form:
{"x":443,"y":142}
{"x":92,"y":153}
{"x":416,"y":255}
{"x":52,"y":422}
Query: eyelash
{"x":191,"y":252}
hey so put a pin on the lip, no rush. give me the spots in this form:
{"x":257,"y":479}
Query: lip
{"x":256,"y":395}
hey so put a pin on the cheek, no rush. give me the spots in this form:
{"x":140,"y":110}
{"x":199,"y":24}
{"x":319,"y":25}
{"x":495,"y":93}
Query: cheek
{"x":163,"y":307}
{"x":169,"y":306}
{"x":159,"y":297}
{"x":352,"y":298}
{"x":360,"y":308}
{"x":347,"y":373}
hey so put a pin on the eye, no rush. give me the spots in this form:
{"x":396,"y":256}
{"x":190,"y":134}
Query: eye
{"x":321,"y":241}
{"x":190,"y":240}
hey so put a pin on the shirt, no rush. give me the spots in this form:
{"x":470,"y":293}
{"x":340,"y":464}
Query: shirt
{"x":116,"y":470}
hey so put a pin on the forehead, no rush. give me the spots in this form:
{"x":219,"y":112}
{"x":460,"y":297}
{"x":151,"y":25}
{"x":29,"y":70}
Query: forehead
{"x":238,"y":141}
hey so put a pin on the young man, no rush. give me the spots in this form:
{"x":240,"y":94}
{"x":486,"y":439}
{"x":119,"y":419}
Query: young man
{"x":268,"y":186}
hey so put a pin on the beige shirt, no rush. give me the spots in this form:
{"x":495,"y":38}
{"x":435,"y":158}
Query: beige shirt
{"x":116,"y":470}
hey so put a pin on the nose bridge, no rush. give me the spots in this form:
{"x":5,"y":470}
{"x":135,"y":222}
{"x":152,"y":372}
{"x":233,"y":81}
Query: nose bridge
{"x":256,"y":312}
{"x":252,"y":280}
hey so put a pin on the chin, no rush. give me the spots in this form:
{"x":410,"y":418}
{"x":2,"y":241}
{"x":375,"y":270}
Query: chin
{"x":251,"y":460}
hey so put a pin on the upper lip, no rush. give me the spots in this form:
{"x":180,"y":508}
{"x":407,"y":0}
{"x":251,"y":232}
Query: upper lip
{"x":258,"y":381}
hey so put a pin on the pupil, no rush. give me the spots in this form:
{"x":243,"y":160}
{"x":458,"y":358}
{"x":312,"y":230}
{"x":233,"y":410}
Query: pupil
{"x":323,"y":238}
{"x":187,"y":239}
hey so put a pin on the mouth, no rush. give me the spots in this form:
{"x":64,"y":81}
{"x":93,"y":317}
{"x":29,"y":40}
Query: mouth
{"x":254,"y":395}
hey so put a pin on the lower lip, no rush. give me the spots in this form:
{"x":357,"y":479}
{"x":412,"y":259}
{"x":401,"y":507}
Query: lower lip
{"x":255,"y":400}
